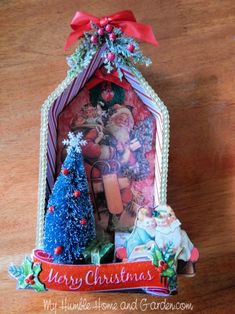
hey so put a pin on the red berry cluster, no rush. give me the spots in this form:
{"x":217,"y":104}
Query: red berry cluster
{"x":106,"y":27}
{"x":30,"y":279}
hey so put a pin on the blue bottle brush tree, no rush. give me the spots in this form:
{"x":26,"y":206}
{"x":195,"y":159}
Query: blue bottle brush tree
{"x":69,"y":221}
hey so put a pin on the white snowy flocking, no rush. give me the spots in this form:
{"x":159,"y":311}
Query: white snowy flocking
{"x":75,"y":142}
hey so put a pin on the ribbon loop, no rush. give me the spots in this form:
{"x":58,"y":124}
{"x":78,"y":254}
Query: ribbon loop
{"x":102,"y":76}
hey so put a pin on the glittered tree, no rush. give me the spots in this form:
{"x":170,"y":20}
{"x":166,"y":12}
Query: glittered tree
{"x":69,"y":222}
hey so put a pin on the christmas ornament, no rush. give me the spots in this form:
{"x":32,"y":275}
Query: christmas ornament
{"x":117,"y":161}
{"x":83,"y":221}
{"x":51,"y":209}
{"x":77,"y":193}
{"x":65,"y":171}
{"x":58,"y":250}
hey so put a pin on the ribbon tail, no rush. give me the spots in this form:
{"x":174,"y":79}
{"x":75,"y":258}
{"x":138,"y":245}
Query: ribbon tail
{"x":113,"y":78}
{"x":80,"y":24}
{"x":73,"y":36}
{"x":82,"y":18}
{"x":93,"y":82}
{"x":142,"y":32}
{"x":116,"y":80}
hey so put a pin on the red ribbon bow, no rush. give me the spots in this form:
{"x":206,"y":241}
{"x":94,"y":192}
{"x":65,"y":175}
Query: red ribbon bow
{"x":101,"y":76}
{"x":123,"y":19}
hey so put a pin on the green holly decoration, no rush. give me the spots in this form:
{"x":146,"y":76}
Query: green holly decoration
{"x":27,"y":275}
{"x":165,"y":263}
{"x":156,"y":213}
{"x":157,"y":256}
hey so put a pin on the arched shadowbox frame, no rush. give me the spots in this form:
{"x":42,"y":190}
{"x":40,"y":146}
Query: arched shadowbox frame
{"x":61,"y":97}
{"x":144,"y":274}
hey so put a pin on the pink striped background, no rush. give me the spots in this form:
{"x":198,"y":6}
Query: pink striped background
{"x":70,"y":92}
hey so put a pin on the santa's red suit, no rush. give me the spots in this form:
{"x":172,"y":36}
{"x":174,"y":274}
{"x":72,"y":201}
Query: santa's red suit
{"x":94,"y":151}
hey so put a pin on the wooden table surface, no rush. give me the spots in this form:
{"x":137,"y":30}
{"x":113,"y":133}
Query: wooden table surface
{"x":193,"y":72}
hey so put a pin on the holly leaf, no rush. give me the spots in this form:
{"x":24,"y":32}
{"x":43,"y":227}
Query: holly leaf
{"x":27,"y":266}
{"x":171,"y":261}
{"x":155,"y":259}
{"x":158,"y":254}
{"x":38,"y":286}
{"x":36,"y":269}
{"x":169,"y":272}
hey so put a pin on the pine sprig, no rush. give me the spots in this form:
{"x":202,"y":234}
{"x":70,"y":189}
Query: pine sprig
{"x":82,"y":56}
{"x":15,"y":271}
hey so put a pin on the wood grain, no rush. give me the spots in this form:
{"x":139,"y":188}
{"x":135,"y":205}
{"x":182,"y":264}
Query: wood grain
{"x":193,"y":73}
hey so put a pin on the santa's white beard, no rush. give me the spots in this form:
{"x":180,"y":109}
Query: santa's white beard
{"x":120,"y":133}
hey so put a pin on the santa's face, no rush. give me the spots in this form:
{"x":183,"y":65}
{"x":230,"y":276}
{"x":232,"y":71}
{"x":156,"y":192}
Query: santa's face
{"x":121,"y":120}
